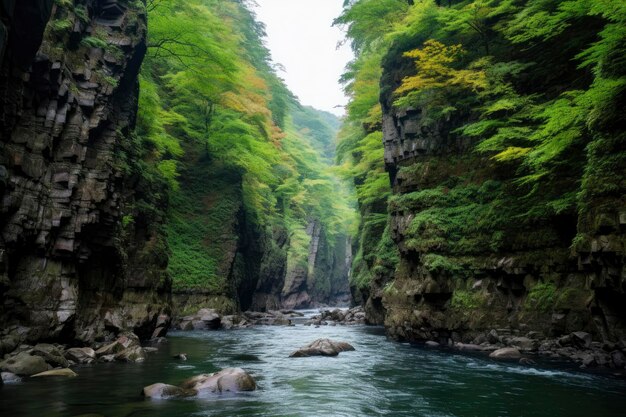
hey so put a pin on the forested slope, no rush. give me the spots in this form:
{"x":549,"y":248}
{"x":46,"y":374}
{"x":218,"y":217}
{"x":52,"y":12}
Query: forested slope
{"x":503,"y":137}
{"x":257,"y":217}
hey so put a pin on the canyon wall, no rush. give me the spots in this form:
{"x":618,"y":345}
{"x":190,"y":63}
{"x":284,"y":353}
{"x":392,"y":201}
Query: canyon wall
{"x":466,"y":268}
{"x":81,"y":258}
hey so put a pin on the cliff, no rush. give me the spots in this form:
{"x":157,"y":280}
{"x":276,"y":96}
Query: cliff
{"x":479,"y":251}
{"x":80,"y":260}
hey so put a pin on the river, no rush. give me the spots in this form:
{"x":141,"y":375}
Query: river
{"x":380,"y":378}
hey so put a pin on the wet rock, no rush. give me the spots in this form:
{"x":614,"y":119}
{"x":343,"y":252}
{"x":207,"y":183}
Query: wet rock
{"x":506,"y":353}
{"x":527,"y":361}
{"x":523,"y":343}
{"x":65,"y":372}
{"x":618,"y":358}
{"x":24,"y":364}
{"x":581,"y":339}
{"x":84,"y":355}
{"x":51,"y":355}
{"x":131,"y":354}
{"x":227,"y":380}
{"x":469,"y":347}
{"x":322,"y":347}
{"x":107,"y":358}
{"x":160,"y":391}
{"x":10,"y":378}
{"x":181,"y":356}
{"x":150,"y":349}
{"x":431,"y":344}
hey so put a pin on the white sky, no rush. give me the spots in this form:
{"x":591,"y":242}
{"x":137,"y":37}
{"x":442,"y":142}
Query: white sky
{"x":301,"y":38}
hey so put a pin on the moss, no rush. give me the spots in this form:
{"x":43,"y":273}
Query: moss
{"x":466,"y":300}
{"x":541,"y":297}
{"x":94,"y":42}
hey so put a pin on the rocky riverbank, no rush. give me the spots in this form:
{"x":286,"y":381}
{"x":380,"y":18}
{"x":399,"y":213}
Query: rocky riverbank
{"x":56,"y":359}
{"x":578,"y":347}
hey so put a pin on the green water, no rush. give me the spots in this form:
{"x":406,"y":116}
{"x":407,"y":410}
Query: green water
{"x":381,"y":378}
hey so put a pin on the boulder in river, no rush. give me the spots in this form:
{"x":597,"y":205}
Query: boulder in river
{"x":506,"y":353}
{"x":24,"y":364}
{"x":65,"y":372}
{"x":322,"y":347}
{"x":226,"y":380}
{"x":160,"y":390}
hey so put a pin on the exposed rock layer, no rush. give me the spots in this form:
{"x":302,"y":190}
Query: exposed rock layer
{"x":77,"y":261}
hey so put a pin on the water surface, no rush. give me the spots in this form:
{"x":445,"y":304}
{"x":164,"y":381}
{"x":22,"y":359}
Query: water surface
{"x":381,"y":378}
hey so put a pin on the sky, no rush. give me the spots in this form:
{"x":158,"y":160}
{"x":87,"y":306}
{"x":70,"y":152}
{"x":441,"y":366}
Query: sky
{"x":301,"y":38}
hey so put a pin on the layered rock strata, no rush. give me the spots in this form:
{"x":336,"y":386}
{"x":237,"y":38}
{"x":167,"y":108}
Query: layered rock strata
{"x":77,"y":260}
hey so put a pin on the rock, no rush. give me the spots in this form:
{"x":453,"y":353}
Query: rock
{"x":107,"y":358}
{"x":506,"y":353}
{"x":431,"y":344}
{"x":50,"y":354}
{"x":8,"y":344}
{"x":185,"y":325}
{"x":581,"y":339}
{"x":618,"y":358}
{"x":588,"y":359}
{"x":210,"y":318}
{"x":10,"y":378}
{"x":65,"y":372}
{"x":81,"y":355}
{"x":468,"y":347}
{"x":110,"y":349}
{"x":523,"y":343}
{"x":181,"y":356}
{"x":24,"y":364}
{"x":322,"y":347}
{"x":131,"y":354}
{"x":160,"y":390}
{"x":527,"y":361}
{"x":492,"y":337}
{"x":150,"y":349}
{"x":226,"y":380}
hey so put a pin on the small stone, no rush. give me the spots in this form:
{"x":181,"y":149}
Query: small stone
{"x":431,"y":344}
{"x":181,"y":356}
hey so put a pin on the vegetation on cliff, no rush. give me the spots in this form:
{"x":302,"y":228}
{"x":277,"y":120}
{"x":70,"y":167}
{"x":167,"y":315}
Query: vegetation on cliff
{"x":530,"y":92}
{"x":243,"y":158}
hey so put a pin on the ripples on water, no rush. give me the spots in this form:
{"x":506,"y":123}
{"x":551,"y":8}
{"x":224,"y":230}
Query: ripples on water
{"x":381,"y":378}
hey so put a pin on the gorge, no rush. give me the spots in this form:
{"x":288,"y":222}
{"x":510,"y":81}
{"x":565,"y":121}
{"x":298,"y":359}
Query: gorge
{"x":156,"y":169}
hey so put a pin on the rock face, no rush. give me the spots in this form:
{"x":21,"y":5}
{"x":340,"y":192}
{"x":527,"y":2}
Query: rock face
{"x":77,"y":261}
{"x":454,"y":285}
{"x":322,"y":347}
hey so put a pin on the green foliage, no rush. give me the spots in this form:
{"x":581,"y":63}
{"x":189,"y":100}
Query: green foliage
{"x":465,"y":300}
{"x":93,"y":42}
{"x":212,"y":104}
{"x":542,"y":296}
